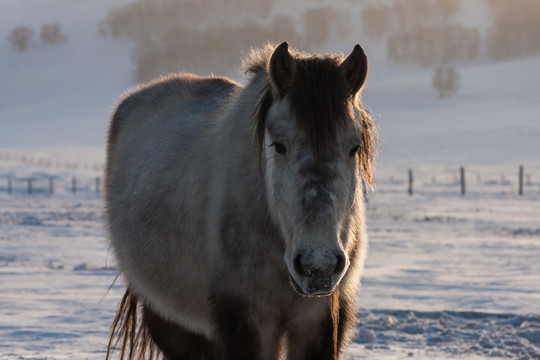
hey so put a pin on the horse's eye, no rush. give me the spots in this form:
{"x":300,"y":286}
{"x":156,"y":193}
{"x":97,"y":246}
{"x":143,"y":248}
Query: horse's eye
{"x":354,"y":150}
{"x":279,"y":147}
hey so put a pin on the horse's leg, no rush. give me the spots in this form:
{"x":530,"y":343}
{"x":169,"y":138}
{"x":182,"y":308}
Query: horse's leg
{"x":239,"y":337}
{"x":174,"y":341}
{"x":311,"y":341}
{"x":324,"y":339}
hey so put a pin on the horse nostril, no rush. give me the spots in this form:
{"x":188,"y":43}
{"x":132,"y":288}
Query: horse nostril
{"x":297,"y":264}
{"x":340,"y":264}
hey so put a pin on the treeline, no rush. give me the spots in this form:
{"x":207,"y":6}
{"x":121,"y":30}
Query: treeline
{"x":422,"y":31}
{"x":209,"y":35}
{"x":148,"y":19}
{"x":431,"y":45}
{"x":425,"y":32}
{"x":214,"y":49}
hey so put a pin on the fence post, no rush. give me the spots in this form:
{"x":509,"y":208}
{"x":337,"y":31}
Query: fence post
{"x":29,"y":189}
{"x":74,"y":185}
{"x":462,"y":179}
{"x":51,"y":185}
{"x":410,"y":182}
{"x":98,"y":180}
{"x":520,"y":190}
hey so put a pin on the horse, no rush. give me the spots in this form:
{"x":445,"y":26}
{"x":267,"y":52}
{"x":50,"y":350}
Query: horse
{"x":236,"y":213}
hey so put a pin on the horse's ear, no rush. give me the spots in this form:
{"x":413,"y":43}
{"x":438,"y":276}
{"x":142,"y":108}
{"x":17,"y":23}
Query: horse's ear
{"x":282,"y":70}
{"x":354,"y":69}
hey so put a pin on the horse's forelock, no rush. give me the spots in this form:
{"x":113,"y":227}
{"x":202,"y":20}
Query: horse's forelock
{"x":319,"y":101}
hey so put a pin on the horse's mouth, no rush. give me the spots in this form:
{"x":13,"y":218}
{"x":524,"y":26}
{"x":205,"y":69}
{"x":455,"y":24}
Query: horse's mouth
{"x":315,"y":291}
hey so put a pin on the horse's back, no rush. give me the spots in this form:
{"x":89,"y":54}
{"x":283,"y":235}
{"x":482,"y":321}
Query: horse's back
{"x":176,"y":97}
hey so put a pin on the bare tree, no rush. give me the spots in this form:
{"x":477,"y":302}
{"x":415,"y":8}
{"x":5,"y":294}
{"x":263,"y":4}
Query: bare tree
{"x":445,"y":81}
{"x":20,"y":37}
{"x":52,"y":34}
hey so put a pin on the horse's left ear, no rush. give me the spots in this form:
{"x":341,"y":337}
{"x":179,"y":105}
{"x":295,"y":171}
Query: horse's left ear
{"x":354,"y":68}
{"x":282,"y":70}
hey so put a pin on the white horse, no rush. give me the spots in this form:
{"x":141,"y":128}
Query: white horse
{"x":236,"y":212}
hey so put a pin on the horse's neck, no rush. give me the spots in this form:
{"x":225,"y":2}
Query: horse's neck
{"x":237,"y":163}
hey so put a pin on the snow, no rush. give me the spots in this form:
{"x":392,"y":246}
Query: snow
{"x":448,"y":276}
{"x":55,"y":277}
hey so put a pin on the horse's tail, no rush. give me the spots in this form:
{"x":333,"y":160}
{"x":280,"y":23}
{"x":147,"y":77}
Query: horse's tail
{"x":129,"y":334}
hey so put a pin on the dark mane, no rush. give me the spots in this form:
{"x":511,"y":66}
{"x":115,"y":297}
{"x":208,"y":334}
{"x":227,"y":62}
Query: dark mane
{"x":320,"y":102}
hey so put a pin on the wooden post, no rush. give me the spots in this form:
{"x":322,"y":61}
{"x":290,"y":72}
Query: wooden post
{"x":520,"y":190}
{"x":29,"y":189}
{"x":462,"y":179}
{"x":74,"y":185}
{"x":410,"y":182}
{"x":51,"y":185}
{"x":98,"y":180}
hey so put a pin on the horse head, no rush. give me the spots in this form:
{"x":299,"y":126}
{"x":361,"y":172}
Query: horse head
{"x":316,"y":143}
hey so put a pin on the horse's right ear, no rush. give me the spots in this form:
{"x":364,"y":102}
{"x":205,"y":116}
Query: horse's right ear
{"x":282,"y":70}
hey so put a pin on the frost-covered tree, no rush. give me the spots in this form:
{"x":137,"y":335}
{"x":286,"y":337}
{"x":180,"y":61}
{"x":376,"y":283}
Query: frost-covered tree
{"x":445,"y":81}
{"x":515,"y":28}
{"x":20,"y":37}
{"x":52,"y":34}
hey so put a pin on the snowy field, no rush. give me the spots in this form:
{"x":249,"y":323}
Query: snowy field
{"x":447,"y":276}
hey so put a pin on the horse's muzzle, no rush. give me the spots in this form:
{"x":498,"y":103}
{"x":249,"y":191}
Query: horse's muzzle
{"x":316,"y":288}
{"x":314,"y":275}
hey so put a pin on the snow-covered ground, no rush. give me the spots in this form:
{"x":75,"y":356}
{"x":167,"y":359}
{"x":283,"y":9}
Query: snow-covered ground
{"x":447,"y":276}
{"x":467,"y":267}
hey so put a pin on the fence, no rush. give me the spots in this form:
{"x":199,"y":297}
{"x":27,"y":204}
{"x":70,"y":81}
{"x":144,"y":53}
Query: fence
{"x":50,"y":185}
{"x":459,"y":183}
{"x":58,"y":161}
{"x":52,"y":172}
{"x":436,"y":180}
{"x":523,"y":181}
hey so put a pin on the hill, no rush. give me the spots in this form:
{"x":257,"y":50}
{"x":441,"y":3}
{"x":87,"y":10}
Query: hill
{"x":61,"y":95}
